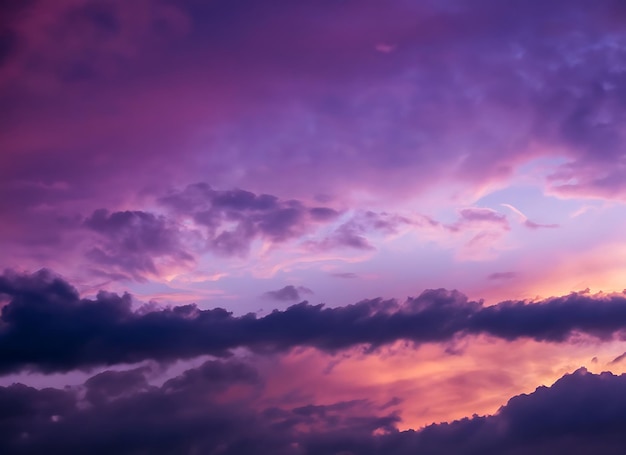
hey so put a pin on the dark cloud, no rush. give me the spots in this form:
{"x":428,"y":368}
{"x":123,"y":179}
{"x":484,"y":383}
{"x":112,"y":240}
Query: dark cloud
{"x":47,"y":326}
{"x":234,"y":218}
{"x":121,"y":413}
{"x":8,"y":40}
{"x":211,"y":409}
{"x":198,"y":412}
{"x":130,"y":241}
{"x":288,"y":293}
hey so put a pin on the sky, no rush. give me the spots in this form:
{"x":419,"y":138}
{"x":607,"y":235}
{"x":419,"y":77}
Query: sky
{"x":314,"y":227}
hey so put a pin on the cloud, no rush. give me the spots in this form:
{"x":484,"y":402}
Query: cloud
{"x":356,"y":121}
{"x":354,"y":232}
{"x":502,"y":276}
{"x":482,"y":230}
{"x":232,"y":219}
{"x":618,"y":359}
{"x":525,"y":221}
{"x":344,"y":275}
{"x":218,"y":408}
{"x":473,"y":215}
{"x":288,"y":293}
{"x":325,"y":120}
{"x":47,"y":326}
{"x":215,"y":408}
{"x":130,"y":241}
{"x":575,"y":415}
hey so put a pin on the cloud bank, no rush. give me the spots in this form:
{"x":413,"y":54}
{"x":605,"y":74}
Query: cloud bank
{"x":218,"y":408}
{"x":47,"y":326}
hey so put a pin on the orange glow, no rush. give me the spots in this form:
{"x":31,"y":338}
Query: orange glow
{"x":432,"y":384}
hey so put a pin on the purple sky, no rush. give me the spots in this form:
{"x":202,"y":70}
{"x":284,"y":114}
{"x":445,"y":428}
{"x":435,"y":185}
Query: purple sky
{"x":341,"y":226}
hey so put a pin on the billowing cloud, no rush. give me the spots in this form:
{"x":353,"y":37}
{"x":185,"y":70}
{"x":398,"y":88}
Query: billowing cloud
{"x":218,"y":408}
{"x":47,"y":326}
{"x":234,"y":218}
{"x":130,"y":241}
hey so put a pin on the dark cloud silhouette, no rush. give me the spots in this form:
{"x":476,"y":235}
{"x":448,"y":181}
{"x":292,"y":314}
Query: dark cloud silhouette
{"x":47,"y":326}
{"x":122,"y":413}
{"x":288,"y":293}
{"x":196,"y":412}
{"x":234,"y":218}
{"x":130,"y":241}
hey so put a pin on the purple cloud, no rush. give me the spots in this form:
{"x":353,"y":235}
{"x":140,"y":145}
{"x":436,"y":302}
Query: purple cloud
{"x":233,"y":219}
{"x":345,"y":275}
{"x":131,"y":240}
{"x":502,"y":276}
{"x":532,"y":225}
{"x":188,"y":412}
{"x":288,"y":293}
{"x":476,"y":216}
{"x":353,"y":233}
{"x":480,"y":96}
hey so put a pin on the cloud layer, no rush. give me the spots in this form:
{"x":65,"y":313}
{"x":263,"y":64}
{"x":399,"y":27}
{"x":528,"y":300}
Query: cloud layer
{"x":399,"y":145}
{"x":218,"y":408}
{"x":47,"y":326}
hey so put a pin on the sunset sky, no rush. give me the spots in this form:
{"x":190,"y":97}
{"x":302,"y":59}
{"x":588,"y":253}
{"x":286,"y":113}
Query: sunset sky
{"x":313,"y":227}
